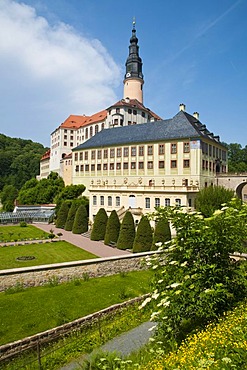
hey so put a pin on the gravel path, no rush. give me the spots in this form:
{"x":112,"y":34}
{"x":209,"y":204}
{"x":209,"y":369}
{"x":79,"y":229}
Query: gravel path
{"x":96,"y":247}
{"x":124,"y":344}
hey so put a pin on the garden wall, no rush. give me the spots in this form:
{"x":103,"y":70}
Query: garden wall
{"x":7,"y":351}
{"x":62,"y":272}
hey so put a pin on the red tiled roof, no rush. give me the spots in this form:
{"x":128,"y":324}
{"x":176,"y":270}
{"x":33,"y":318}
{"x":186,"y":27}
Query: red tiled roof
{"x":46,"y":155}
{"x":76,"y":122}
{"x":68,"y":156}
{"x":134,"y":103}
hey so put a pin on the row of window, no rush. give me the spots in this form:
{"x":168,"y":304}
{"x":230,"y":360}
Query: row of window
{"x":157,"y":202}
{"x":130,"y":111}
{"x":127,"y":165}
{"x":126,"y":151}
{"x":213,"y":151}
{"x":212,"y":166}
{"x":109,"y":199}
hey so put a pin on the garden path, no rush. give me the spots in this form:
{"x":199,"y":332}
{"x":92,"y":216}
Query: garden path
{"x":96,"y":247}
{"x":124,"y":344}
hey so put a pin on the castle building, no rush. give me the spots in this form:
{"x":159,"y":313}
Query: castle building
{"x":130,"y":159}
{"x":76,"y":129}
{"x":141,"y":167}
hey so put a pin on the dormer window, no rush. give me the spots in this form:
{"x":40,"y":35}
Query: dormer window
{"x":117,"y":110}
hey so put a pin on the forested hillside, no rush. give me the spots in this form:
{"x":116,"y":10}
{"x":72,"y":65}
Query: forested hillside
{"x":19,"y":160}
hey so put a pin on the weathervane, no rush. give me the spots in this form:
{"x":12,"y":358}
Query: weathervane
{"x":134,"y":22}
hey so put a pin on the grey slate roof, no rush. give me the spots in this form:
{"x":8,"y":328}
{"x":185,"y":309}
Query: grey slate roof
{"x":182,"y":125}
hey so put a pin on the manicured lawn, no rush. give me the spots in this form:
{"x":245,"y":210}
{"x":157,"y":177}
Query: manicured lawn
{"x":12,"y":233}
{"x":46,"y":253}
{"x":37,"y":309}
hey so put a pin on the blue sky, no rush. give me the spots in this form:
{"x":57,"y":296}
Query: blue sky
{"x":62,"y":57}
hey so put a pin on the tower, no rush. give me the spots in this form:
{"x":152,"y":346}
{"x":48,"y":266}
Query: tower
{"x":133,"y":79}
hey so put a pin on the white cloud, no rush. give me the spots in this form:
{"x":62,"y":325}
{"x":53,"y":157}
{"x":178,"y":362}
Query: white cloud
{"x":50,"y":69}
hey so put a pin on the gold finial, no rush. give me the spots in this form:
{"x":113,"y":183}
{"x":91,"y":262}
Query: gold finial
{"x":134,"y":22}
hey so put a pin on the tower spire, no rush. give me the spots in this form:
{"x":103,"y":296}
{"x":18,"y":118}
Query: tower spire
{"x":133,"y":78}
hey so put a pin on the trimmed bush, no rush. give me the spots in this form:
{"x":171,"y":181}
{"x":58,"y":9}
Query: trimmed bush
{"x":80,"y":225}
{"x":62,"y":215}
{"x":127,"y":232}
{"x":144,"y":236}
{"x":71,"y":216}
{"x":210,"y":199}
{"x":112,"y":228}
{"x":162,"y":233}
{"x":99,"y":226}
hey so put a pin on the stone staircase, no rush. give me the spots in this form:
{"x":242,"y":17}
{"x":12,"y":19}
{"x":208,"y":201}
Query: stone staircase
{"x":121,"y":212}
{"x":87,"y":234}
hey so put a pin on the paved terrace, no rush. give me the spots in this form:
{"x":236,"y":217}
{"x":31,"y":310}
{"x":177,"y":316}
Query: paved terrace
{"x":96,"y":247}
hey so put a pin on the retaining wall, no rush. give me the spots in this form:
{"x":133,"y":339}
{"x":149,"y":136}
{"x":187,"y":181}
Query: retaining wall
{"x":13,"y":349}
{"x":62,"y":272}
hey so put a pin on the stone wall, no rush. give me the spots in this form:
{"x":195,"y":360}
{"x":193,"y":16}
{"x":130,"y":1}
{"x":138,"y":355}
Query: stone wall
{"x":62,"y":272}
{"x":10,"y":350}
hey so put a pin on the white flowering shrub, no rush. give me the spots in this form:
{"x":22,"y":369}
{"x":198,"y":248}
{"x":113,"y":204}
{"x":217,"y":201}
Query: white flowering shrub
{"x":196,"y":279}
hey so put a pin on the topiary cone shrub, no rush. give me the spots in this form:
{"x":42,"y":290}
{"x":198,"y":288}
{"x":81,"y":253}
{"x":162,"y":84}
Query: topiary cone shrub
{"x":62,"y":215}
{"x":127,"y":232}
{"x":71,"y":216}
{"x":99,"y":225}
{"x":112,"y":228}
{"x":80,"y":225}
{"x":144,"y":236}
{"x":162,"y":233}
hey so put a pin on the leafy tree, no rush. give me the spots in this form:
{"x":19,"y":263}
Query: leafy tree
{"x":8,"y":196}
{"x":195,"y":279}
{"x":80,"y":225}
{"x":211,"y":198}
{"x":237,"y":158}
{"x":70,"y":192}
{"x":62,"y":215}
{"x":99,"y":225}
{"x":112,"y":228}
{"x":144,"y":236}
{"x":41,"y":192}
{"x":127,"y":232}
{"x":162,"y":233}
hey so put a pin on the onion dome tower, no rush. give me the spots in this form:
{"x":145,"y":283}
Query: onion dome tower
{"x":133,"y":79}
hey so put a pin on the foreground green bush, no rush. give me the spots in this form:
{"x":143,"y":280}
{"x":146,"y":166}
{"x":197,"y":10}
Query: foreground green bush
{"x":198,"y":281}
{"x":220,"y":346}
{"x":211,"y":198}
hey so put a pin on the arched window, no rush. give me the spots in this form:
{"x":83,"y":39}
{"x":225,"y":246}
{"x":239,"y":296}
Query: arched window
{"x":117,"y":201}
{"x":96,"y":129}
{"x":110,"y":201}
{"x":147,"y":202}
{"x":167,"y":202}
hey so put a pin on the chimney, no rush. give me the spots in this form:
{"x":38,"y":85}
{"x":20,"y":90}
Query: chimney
{"x":182,"y":107}
{"x":127,"y":99}
{"x":196,"y":115}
